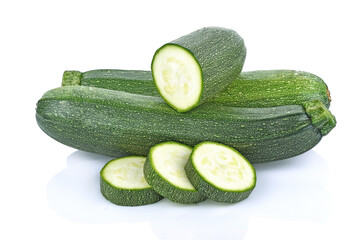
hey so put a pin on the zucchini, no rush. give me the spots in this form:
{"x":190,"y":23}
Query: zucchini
{"x":112,"y":123}
{"x":194,"y":67}
{"x":164,"y":171}
{"x":264,"y":88}
{"x":123,"y":183}
{"x":220,"y":172}
{"x":132,"y":81}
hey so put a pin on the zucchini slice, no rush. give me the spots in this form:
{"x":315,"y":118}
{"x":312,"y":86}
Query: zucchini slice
{"x":123,"y":182}
{"x":220,"y":172}
{"x":164,"y":171}
{"x":195,"y":67}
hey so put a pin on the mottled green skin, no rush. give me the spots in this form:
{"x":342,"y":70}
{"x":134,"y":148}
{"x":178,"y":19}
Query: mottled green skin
{"x":127,"y":197}
{"x":114,"y":123}
{"x":133,"y":81}
{"x":220,"y":53}
{"x":273,"y":88}
{"x":209,"y":189}
{"x":264,"y":88}
{"x":166,"y":188}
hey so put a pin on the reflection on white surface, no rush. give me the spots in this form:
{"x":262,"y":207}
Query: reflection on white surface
{"x":293,"y":189}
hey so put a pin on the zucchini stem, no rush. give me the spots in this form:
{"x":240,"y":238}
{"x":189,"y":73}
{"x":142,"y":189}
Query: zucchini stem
{"x":320,"y":116}
{"x":71,"y":78}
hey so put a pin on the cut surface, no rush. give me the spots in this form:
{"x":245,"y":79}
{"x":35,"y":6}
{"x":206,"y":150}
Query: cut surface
{"x":177,"y":76}
{"x":169,"y":161}
{"x":126,"y":173}
{"x":223,"y":167}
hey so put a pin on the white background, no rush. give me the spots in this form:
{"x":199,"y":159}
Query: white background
{"x":52,"y":191}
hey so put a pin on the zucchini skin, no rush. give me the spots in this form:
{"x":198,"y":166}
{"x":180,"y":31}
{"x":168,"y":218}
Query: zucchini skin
{"x":220,"y":53}
{"x":128,"y":197}
{"x":113,"y":123}
{"x":254,"y":89}
{"x":132,"y":81}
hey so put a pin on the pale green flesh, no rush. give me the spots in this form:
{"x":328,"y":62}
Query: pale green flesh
{"x":169,"y":161}
{"x":178,"y":77}
{"x":126,"y":173}
{"x":223,"y":167}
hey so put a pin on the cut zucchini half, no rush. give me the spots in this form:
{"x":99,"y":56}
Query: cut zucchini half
{"x":178,"y":77}
{"x":123,"y":182}
{"x":220,"y":172}
{"x":196,"y":67}
{"x":164,"y":171}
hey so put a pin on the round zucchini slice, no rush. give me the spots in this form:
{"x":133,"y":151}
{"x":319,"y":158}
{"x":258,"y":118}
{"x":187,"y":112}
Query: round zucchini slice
{"x":123,"y":182}
{"x":220,"y":172}
{"x":164,"y":171}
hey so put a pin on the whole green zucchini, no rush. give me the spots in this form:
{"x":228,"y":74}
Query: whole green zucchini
{"x":265,"y":88}
{"x":114,"y":123}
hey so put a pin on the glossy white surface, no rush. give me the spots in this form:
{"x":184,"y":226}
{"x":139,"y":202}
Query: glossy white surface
{"x":178,"y":77}
{"x":50,"y":191}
